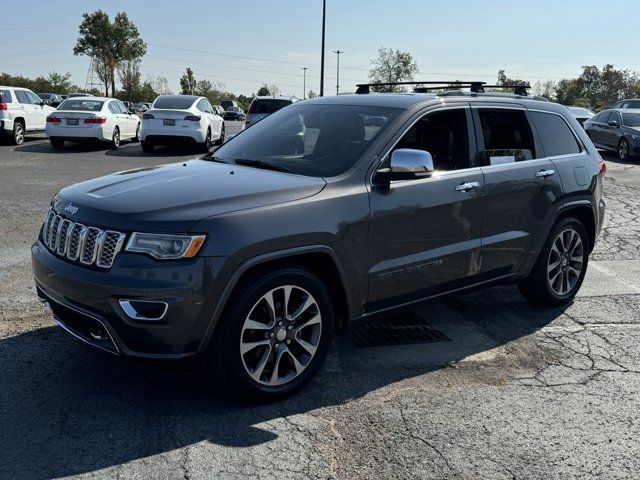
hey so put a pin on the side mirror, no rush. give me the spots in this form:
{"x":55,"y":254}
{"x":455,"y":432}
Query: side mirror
{"x":407,"y":164}
{"x":613,"y":123}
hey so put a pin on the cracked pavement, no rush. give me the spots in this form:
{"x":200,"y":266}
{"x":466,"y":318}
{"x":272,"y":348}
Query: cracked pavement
{"x":517,"y":392}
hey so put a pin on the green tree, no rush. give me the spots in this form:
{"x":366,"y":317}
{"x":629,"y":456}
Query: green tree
{"x":204,"y":88}
{"x":268,"y":89}
{"x":392,"y":66}
{"x":108,"y":44}
{"x":129,"y":75}
{"x":311,"y":94}
{"x":188,"y":82}
{"x":60,"y":83}
{"x":546,"y":89}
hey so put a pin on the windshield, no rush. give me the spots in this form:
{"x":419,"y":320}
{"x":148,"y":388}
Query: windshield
{"x":314,"y":139}
{"x":85,"y":104}
{"x":631,"y":119}
{"x":174,"y":103}
{"x":44,"y":96}
{"x":269,"y":106}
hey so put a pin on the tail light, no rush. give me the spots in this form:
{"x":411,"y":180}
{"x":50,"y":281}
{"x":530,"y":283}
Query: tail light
{"x":603,"y":169}
{"x":247,"y":122}
{"x":193,"y":118}
{"x":3,"y":106}
{"x":98,"y":120}
{"x":147,"y":116}
{"x":53,"y":120}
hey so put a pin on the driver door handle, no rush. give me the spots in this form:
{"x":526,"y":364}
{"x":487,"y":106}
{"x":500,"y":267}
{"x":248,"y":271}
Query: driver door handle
{"x":545,"y":173}
{"x":466,"y":186}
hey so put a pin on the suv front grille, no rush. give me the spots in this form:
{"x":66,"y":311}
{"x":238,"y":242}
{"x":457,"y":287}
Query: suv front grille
{"x":79,"y":243}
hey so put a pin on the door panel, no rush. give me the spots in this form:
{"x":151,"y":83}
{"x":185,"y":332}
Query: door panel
{"x":517,"y":209}
{"x":424,"y":234}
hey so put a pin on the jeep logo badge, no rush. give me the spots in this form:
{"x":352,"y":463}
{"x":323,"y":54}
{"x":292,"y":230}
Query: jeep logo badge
{"x":71,"y":208}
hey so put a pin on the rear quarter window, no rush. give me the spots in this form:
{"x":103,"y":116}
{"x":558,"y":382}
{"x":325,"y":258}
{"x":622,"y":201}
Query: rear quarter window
{"x":555,"y":134}
{"x":5,"y":96}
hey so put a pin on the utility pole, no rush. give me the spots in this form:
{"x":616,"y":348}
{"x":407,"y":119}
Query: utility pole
{"x":338,"y":52}
{"x":304,"y":83}
{"x":324,"y":18}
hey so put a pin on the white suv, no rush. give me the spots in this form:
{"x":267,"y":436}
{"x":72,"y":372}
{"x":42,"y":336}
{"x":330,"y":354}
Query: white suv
{"x":21,"y":112}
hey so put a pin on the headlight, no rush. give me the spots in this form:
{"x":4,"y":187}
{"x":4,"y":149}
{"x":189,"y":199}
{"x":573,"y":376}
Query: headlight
{"x":165,"y":246}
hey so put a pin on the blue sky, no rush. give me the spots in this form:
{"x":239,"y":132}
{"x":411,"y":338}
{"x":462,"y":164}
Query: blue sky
{"x":244,"y":44}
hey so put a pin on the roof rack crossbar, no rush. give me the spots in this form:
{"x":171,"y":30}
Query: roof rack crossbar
{"x":364,"y":88}
{"x":518,"y":89}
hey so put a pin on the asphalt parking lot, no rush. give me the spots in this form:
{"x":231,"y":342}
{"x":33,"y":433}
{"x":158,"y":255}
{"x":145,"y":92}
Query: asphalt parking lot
{"x":512,"y":392}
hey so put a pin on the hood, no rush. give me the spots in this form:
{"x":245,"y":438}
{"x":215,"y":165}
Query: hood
{"x":172,"y":198}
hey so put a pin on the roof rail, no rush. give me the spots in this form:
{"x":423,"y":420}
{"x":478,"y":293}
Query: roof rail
{"x":473,"y":86}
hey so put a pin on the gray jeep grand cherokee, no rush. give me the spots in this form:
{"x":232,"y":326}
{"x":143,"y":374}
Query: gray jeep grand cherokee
{"x":328,"y":210}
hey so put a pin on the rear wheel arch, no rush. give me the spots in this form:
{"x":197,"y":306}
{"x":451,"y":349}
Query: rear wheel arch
{"x":322,"y":262}
{"x":584,"y":213}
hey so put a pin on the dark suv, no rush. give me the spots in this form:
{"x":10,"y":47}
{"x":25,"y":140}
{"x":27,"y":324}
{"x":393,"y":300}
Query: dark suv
{"x":328,"y":210}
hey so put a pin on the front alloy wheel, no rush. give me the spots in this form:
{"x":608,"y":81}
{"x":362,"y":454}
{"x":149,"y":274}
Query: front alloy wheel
{"x":623,"y":149}
{"x":274,"y":336}
{"x":280,"y":336}
{"x":115,"y":139}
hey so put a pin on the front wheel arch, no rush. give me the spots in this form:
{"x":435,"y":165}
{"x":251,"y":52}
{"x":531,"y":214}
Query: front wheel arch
{"x":321,"y":260}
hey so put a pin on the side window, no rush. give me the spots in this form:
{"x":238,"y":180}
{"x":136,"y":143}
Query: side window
{"x":208,"y":107}
{"x":22,"y":97}
{"x":556,"y":136}
{"x":5,"y":96}
{"x":122,"y":108}
{"x":507,"y":136}
{"x":604,"y":117}
{"x":202,"y":106}
{"x":113,"y":108}
{"x":33,"y":98}
{"x":441,"y":133}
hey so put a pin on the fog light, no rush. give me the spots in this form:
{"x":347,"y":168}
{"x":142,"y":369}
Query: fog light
{"x":144,"y":309}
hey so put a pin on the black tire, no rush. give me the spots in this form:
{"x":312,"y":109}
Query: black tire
{"x":115,"y":139}
{"x":146,"y":146}
{"x":537,"y":286}
{"x":56,"y":143}
{"x":18,"y":133}
{"x":623,"y":149}
{"x":220,"y":141}
{"x":205,"y":146}
{"x":136,"y":139}
{"x":225,"y":353}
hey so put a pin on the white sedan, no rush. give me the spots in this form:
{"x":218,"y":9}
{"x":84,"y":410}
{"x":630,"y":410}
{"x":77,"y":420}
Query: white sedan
{"x":86,"y":119}
{"x":181,"y":119}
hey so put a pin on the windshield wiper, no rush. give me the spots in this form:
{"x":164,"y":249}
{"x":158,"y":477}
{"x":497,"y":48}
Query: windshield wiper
{"x":263,"y":164}
{"x":211,"y":157}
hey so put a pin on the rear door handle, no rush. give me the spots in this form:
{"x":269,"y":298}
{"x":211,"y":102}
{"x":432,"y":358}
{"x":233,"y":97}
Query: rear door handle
{"x":545,"y":173}
{"x":466,"y":186}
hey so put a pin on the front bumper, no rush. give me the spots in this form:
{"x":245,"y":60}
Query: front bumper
{"x":86,"y":301}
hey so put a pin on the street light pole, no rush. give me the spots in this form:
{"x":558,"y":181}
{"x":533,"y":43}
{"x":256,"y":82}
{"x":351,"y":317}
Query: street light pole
{"x":338,"y":52}
{"x":324,"y":17}
{"x":304,"y":83}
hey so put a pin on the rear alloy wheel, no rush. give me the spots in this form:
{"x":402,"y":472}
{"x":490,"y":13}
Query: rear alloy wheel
{"x":275,"y":336}
{"x":115,"y":139}
{"x":18,"y":133}
{"x":56,"y":143}
{"x":561,"y":266}
{"x":623,"y":149}
{"x":220,"y":141}
{"x":206,"y":146}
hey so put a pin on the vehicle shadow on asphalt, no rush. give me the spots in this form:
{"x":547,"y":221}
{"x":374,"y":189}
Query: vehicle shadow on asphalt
{"x":68,"y":409}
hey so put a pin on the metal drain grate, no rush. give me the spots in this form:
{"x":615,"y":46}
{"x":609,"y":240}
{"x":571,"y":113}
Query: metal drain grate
{"x":399,"y":329}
